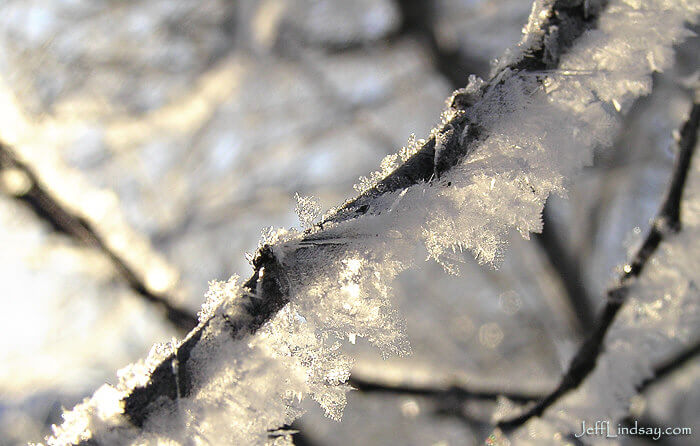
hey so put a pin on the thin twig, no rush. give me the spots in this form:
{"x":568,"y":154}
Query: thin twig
{"x":460,"y":393}
{"x":666,"y":222}
{"x":668,"y":367}
{"x":661,"y":371}
{"x":448,"y":401}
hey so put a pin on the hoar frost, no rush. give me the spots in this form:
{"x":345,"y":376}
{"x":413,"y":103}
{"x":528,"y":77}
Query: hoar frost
{"x":308,"y":209}
{"x":389,"y":164}
{"x":540,"y":133}
{"x":662,"y":315}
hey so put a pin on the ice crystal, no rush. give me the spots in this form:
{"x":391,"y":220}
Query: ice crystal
{"x":218,"y":292}
{"x":308,"y":209}
{"x":389,"y":164}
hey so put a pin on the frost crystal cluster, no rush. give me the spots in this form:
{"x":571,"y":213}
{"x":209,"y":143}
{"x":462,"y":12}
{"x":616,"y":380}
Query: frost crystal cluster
{"x":307,"y":209}
{"x":537,"y":130}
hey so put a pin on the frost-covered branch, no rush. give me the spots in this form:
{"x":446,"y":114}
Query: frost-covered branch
{"x":503,"y":146}
{"x":666,"y":222}
{"x":24,"y":184}
{"x":252,"y":311}
{"x":560,"y":24}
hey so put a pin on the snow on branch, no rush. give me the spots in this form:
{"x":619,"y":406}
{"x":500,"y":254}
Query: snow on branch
{"x":486,"y":171}
{"x":640,"y":332}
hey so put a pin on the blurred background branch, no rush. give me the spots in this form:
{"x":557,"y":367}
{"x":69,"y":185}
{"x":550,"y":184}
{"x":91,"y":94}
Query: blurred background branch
{"x":666,"y":222}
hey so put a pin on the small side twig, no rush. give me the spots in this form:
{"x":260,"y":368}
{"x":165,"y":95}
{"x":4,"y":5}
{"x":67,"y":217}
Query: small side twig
{"x":661,"y":371}
{"x":450,"y":392}
{"x":671,"y":365}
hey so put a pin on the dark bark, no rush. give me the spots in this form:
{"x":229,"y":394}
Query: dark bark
{"x":173,"y":378}
{"x":460,"y":393}
{"x":670,"y":366}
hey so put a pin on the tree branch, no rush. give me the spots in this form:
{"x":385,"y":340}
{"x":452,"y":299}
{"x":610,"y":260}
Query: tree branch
{"x":666,"y":222}
{"x":668,"y":367}
{"x":41,"y":200}
{"x":267,"y":290}
{"x":565,"y":23}
{"x":451,"y":392}
{"x":661,"y":371}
